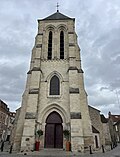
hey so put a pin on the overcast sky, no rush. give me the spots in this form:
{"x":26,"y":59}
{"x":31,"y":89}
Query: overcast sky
{"x":98,"y":30}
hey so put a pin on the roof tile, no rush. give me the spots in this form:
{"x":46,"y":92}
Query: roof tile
{"x":58,"y":16}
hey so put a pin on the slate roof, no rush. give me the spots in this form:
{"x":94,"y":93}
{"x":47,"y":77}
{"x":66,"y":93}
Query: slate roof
{"x":58,"y":16}
{"x":94,"y":108}
{"x":94,"y":130}
{"x":103,"y":119}
{"x":115,"y":118}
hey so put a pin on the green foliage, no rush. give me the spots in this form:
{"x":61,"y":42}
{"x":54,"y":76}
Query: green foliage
{"x":39,"y":133}
{"x":66,"y":134}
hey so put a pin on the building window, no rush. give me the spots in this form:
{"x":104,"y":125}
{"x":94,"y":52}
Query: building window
{"x":50,"y":45}
{"x":61,"y":45}
{"x":54,"y":86}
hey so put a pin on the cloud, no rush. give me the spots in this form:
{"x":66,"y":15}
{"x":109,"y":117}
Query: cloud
{"x":12,"y":81}
{"x":97,"y":26}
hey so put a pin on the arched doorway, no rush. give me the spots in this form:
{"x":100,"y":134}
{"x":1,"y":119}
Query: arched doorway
{"x":54,"y":131}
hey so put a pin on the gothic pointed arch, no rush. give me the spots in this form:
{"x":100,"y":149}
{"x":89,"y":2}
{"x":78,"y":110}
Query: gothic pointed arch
{"x":54,"y":73}
{"x":58,"y":78}
{"x":54,"y":107}
{"x":57,"y":119}
{"x":50,"y":27}
{"x":63,"y":36}
{"x":62,"y":27}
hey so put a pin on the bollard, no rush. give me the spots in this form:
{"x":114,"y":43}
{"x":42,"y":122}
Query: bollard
{"x":103,"y":149}
{"x":115,"y":144}
{"x":90,"y":150}
{"x":11,"y":149}
{"x":2,"y":146}
{"x":111,"y":146}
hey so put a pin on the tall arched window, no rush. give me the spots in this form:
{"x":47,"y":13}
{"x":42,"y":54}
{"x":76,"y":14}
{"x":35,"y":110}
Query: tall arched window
{"x":54,"y":86}
{"x":50,"y":45}
{"x":61,"y":45}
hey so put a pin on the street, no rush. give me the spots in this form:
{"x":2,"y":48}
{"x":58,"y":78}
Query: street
{"x":60,"y":153}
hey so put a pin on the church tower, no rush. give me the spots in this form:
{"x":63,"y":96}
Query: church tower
{"x":55,"y":99}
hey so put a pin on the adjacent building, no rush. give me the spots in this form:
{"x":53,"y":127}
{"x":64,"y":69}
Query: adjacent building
{"x":106,"y":130}
{"x":11,"y":118}
{"x":13,"y":132}
{"x":100,"y":128}
{"x":6,"y":121}
{"x":114,"y":125}
{"x":96,"y":126}
{"x":117,"y":129}
{"x":4,"y":114}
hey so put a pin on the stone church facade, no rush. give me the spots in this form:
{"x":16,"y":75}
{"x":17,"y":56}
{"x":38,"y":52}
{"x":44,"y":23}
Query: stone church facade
{"x":55,"y":99}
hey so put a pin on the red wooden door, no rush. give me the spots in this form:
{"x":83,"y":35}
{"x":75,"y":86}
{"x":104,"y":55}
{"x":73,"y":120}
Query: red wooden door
{"x":49,"y":136}
{"x":58,"y":136}
{"x":54,"y":131}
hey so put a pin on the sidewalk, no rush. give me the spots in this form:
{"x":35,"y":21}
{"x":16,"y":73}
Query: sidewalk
{"x":60,"y":153}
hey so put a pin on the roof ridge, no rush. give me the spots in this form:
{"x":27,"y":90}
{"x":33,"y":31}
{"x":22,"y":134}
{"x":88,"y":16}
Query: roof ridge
{"x":57,"y":16}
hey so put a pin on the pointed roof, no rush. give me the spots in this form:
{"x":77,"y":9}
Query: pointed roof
{"x":93,"y":108}
{"x":115,"y":118}
{"x":58,"y":16}
{"x":94,"y":130}
{"x":103,"y":119}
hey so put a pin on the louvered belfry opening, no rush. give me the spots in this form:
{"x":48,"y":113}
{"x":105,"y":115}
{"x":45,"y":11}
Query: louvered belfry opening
{"x":61,"y":45}
{"x":50,"y":45}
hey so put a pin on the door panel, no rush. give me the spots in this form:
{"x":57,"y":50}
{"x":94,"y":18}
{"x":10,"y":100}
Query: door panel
{"x":49,"y":136}
{"x":58,"y":136}
{"x":54,"y":131}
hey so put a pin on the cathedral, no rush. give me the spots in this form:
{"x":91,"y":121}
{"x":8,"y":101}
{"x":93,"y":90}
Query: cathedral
{"x":54,"y":99}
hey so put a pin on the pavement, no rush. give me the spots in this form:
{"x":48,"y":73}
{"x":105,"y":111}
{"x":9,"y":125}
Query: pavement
{"x":61,"y":153}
